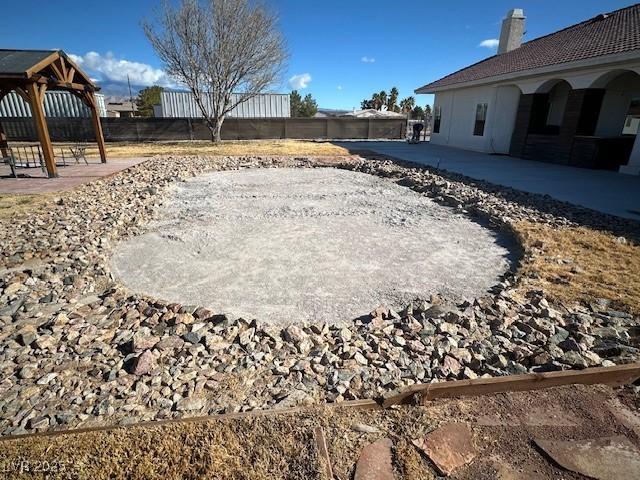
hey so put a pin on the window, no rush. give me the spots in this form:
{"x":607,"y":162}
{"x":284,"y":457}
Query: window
{"x":632,"y":119}
{"x":481,"y":118}
{"x":437,"y":117}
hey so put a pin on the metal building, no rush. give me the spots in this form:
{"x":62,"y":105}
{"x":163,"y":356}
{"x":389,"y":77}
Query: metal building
{"x":56,"y":104}
{"x":264,"y":105}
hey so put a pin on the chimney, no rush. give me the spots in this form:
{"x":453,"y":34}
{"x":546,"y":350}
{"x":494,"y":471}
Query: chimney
{"x":512,"y":31}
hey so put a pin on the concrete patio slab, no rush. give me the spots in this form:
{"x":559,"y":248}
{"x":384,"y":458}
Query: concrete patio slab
{"x":323,"y":245}
{"x":604,"y":191}
{"x":70,"y":176}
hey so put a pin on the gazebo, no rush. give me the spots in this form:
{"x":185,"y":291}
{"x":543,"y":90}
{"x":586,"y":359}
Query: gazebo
{"x":31,"y":73}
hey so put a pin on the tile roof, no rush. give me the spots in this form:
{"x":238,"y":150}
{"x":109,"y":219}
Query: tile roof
{"x":17,"y":62}
{"x":615,"y":32}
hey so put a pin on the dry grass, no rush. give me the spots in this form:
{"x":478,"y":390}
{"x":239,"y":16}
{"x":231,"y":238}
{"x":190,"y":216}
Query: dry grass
{"x":282,"y":446}
{"x":581,"y":265}
{"x":11,"y":205}
{"x":257,"y":447}
{"x":252,"y":147}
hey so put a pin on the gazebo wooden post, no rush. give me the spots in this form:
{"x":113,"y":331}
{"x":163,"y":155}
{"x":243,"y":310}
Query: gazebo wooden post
{"x":4,"y":146}
{"x":36,"y":101}
{"x":97,"y":126}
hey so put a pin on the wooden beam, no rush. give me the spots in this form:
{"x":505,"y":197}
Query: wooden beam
{"x":23,"y":94}
{"x":617,"y":375}
{"x":97,"y":126}
{"x":45,"y":62}
{"x":4,"y":146}
{"x":36,"y":97}
{"x":81,"y":75}
{"x":70,"y":74}
{"x":55,"y":83}
{"x":59,"y":72}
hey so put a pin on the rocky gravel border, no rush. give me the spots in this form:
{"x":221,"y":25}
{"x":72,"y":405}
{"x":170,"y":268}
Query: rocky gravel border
{"x":77,"y":349}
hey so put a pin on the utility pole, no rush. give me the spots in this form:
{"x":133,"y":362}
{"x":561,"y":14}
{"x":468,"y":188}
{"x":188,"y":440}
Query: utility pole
{"x":130,"y":97}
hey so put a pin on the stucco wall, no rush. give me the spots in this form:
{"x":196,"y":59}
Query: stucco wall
{"x":458,"y":118}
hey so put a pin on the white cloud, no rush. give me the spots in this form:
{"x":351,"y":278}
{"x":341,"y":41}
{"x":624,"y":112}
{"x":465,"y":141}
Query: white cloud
{"x":300,"y":81}
{"x":489,"y":43}
{"x":368,"y":59}
{"x":116,"y":70}
{"x":339,"y":87}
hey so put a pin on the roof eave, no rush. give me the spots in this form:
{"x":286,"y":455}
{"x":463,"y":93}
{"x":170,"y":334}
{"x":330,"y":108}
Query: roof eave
{"x":612,"y":60}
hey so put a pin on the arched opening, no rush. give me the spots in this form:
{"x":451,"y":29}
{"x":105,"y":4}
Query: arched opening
{"x":549,"y":105}
{"x":619,"y":116}
{"x":620,"y":110}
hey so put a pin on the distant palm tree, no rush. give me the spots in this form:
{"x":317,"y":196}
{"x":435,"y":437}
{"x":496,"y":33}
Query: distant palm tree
{"x":392,"y":101}
{"x":382,"y":97}
{"x":375,"y":101}
{"x":407,"y":104}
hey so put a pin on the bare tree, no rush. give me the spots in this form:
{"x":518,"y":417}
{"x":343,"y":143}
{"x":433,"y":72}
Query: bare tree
{"x":217,"y":48}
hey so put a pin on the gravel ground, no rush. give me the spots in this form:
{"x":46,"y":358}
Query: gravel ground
{"x":77,"y":349}
{"x":294,"y":245}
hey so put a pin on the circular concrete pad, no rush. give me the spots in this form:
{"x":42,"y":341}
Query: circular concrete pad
{"x":297,"y":244}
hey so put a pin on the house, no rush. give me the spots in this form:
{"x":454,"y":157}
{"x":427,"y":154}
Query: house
{"x":329,"y":113}
{"x":571,"y":97}
{"x":373,"y":113}
{"x":121,"y":109}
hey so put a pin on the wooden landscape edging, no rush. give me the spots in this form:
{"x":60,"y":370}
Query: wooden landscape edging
{"x":364,"y":404}
{"x":616,"y":375}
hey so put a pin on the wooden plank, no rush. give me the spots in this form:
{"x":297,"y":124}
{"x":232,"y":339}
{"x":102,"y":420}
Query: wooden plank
{"x":351,"y":404}
{"x":617,"y":375}
{"x":97,"y":126}
{"x":36,"y":97}
{"x":323,"y":451}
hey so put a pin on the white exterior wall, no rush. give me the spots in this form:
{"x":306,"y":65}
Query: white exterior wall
{"x":458,"y":112}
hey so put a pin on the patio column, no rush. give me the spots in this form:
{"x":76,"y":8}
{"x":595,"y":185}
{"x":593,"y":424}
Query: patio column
{"x":633,"y":165}
{"x":36,"y":100}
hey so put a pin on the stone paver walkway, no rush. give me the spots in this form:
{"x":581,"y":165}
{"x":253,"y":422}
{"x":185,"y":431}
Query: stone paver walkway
{"x":70,"y":176}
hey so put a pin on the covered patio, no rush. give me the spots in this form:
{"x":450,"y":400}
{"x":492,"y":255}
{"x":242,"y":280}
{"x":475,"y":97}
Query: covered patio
{"x":588,"y":120}
{"x":30,"y":73}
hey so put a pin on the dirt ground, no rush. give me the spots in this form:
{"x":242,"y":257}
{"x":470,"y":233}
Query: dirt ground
{"x":286,"y":245}
{"x":282,"y":445}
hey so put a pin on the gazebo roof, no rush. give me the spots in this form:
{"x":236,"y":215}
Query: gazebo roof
{"x":31,"y":73}
{"x":18,"y":62}
{"x":17,"y":65}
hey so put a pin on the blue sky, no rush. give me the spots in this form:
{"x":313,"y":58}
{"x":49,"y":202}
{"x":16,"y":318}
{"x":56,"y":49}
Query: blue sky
{"x":341,"y":50}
